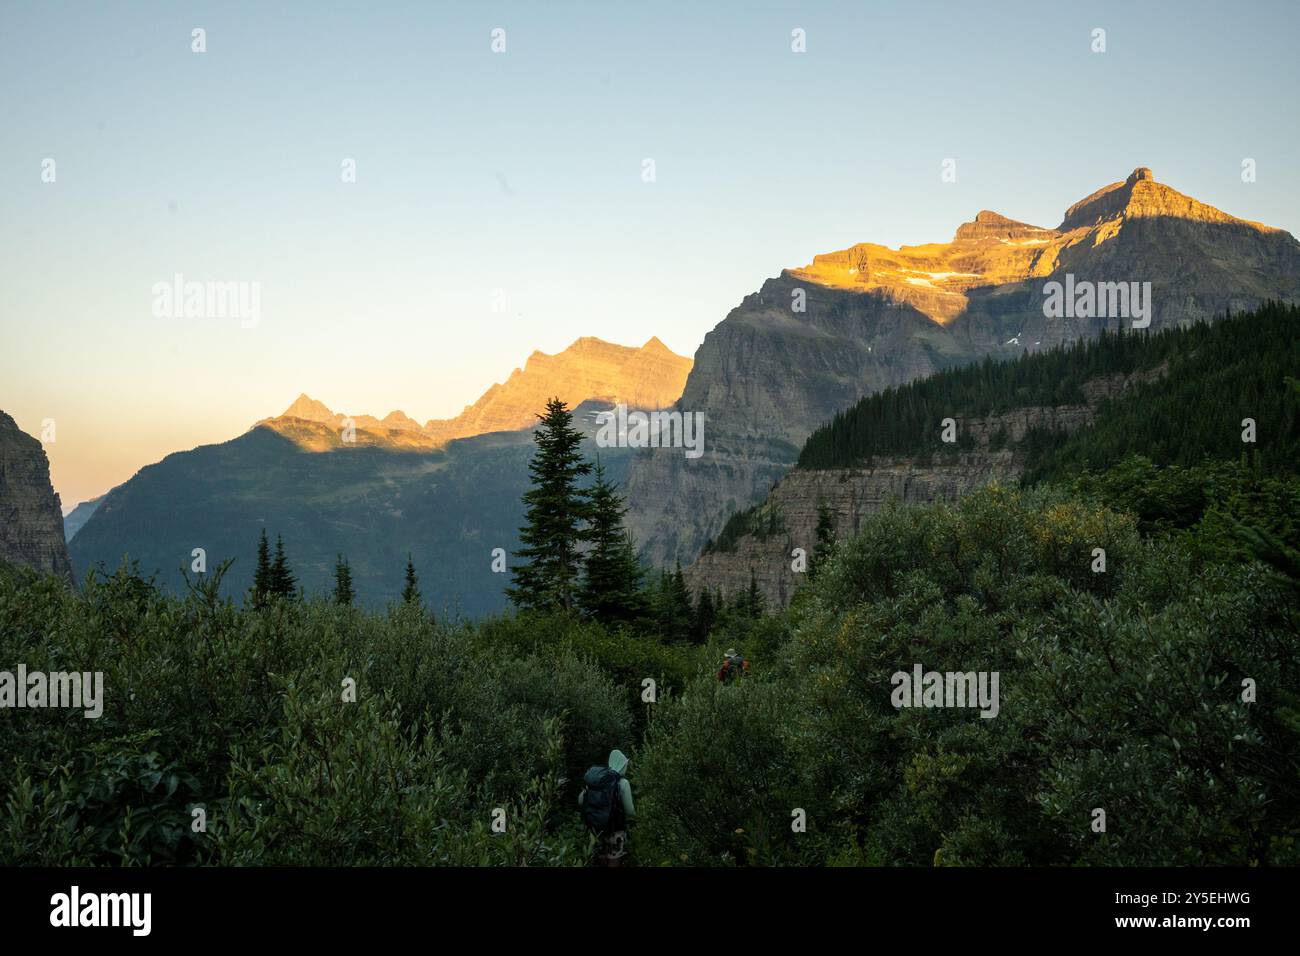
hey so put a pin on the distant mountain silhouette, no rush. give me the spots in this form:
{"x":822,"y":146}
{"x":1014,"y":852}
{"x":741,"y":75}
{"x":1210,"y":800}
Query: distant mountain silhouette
{"x":76,"y":519}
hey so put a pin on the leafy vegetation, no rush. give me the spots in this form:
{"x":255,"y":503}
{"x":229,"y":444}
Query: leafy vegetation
{"x":1120,"y":690}
{"x":1142,"y":613}
{"x":241,"y":711}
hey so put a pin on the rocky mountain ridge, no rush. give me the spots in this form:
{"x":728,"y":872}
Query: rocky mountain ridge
{"x":31,"y":516}
{"x":814,"y":340}
{"x":649,"y":377}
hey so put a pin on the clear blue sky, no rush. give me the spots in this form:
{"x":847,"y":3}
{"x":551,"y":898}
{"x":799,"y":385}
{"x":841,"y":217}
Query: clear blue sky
{"x":522,"y":171}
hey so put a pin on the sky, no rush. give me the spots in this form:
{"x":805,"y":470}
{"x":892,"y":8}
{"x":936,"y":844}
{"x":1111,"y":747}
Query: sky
{"x":500,"y":202}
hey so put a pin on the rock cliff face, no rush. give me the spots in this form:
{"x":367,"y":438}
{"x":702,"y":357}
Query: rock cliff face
{"x":873,"y":317}
{"x":589,"y":370}
{"x":31,"y":519}
{"x":851,"y":494}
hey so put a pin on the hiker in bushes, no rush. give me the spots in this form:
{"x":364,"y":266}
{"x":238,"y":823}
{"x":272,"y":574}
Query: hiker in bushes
{"x":607,"y":809}
{"x":733,"y":666}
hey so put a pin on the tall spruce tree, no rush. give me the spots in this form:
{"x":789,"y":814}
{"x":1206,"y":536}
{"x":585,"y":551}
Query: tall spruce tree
{"x":262,"y":574}
{"x":705,"y":615}
{"x":281,"y":579}
{"x":825,"y":539}
{"x":673,"y":606}
{"x":556,"y":510}
{"x":611,"y":579}
{"x":411,"y":590}
{"x":343,"y":593}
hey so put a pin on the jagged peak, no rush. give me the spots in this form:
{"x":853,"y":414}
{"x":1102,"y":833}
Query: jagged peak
{"x":584,"y":343}
{"x":589,"y":368}
{"x":1142,"y":195}
{"x":304,"y":406}
{"x":590,"y":343}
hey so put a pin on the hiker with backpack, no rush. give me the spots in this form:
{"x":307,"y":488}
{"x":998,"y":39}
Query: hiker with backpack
{"x":733,"y":666}
{"x":606,"y":806}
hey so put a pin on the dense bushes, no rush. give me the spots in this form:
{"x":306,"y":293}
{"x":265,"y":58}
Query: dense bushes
{"x":719,"y":778}
{"x":1119,"y":690}
{"x":241,"y":712}
{"x":625,"y":656}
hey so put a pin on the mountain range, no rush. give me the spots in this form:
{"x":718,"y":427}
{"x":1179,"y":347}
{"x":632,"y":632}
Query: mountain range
{"x":589,"y":370}
{"x":874,"y":317}
{"x":447,"y":492}
{"x":808,"y":344}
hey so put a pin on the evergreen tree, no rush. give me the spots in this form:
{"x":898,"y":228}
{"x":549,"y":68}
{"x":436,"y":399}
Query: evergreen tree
{"x":411,"y":592}
{"x":678,"y":601}
{"x":611,"y":582}
{"x":343,"y":593}
{"x":672,"y":607}
{"x":704,"y":618}
{"x":671,"y":604}
{"x":825,"y":539}
{"x":281,"y":579}
{"x":556,"y":509}
{"x":262,"y":575}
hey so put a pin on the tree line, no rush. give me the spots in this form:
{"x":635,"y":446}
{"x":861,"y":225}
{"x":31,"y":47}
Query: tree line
{"x":274,"y":579}
{"x":1226,"y":370}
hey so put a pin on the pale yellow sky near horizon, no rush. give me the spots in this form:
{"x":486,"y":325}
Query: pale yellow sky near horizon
{"x":85,"y":463}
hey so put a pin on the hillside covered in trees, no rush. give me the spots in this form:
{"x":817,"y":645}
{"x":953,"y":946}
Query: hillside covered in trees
{"x":1217,"y":374}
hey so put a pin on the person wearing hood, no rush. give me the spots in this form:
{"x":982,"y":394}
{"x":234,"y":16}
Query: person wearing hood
{"x":607,"y":807}
{"x":733,"y":666}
